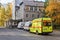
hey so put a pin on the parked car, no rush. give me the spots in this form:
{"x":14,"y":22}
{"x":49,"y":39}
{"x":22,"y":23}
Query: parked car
{"x":20,"y":25}
{"x":13,"y":25}
{"x":26,"y":26}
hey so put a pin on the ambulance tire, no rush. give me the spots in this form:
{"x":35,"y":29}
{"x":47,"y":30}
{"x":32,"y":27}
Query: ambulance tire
{"x":37,"y":32}
{"x":29,"y":31}
{"x":45,"y":33}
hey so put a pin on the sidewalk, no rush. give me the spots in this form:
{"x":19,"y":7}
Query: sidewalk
{"x":56,"y":33}
{"x":2,"y":27}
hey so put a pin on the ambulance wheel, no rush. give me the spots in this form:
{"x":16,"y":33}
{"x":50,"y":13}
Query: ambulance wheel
{"x":30,"y":31}
{"x":45,"y":33}
{"x":37,"y":33}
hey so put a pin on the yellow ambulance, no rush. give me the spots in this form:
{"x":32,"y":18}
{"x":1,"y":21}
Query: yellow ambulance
{"x":41,"y":25}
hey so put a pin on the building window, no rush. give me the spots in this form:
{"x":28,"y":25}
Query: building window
{"x":32,"y":15}
{"x":27,"y":20}
{"x":31,"y":8}
{"x":38,"y":16}
{"x":26,"y":8}
{"x":26,"y":15}
{"x":39,"y":9}
{"x":35,"y":8}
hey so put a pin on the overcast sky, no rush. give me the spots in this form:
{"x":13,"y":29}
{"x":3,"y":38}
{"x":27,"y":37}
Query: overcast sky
{"x":7,"y":1}
{"x":41,"y":0}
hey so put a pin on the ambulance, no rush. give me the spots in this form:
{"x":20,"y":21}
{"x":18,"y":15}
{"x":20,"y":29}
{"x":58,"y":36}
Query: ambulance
{"x":41,"y":26}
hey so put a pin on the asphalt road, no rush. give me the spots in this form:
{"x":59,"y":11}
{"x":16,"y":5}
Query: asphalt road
{"x":15,"y":34}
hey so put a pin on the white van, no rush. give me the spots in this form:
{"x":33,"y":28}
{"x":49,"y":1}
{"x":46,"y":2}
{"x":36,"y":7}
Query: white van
{"x":20,"y":25}
{"x":26,"y":26}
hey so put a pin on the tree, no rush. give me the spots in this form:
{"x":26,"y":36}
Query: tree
{"x":2,"y":12}
{"x":8,"y":11}
{"x":5,"y":13}
{"x":53,"y":11}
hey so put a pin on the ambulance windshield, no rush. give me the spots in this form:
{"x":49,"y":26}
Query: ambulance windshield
{"x":47,"y":23}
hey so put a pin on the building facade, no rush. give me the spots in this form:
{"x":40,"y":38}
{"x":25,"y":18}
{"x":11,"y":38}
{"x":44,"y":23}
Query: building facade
{"x":25,"y":10}
{"x":30,"y":10}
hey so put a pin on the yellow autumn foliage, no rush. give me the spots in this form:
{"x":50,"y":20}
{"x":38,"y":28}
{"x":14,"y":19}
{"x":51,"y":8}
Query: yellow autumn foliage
{"x":8,"y":12}
{"x":53,"y":11}
{"x":5,"y":13}
{"x":2,"y":13}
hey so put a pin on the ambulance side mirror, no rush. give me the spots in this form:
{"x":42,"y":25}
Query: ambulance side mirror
{"x":30,"y":25}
